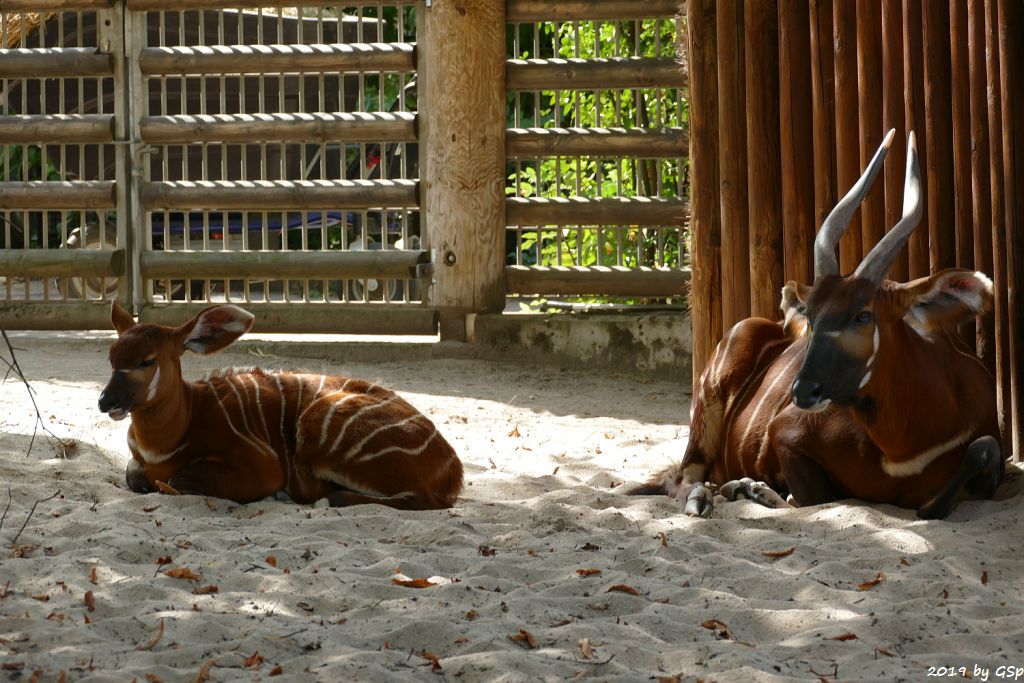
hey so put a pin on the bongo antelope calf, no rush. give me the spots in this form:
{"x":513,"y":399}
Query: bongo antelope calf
{"x":863,"y":391}
{"x":247,"y":434}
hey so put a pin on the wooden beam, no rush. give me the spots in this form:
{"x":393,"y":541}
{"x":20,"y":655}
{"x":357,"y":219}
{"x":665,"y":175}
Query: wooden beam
{"x":55,"y":62}
{"x":938,"y":116}
{"x":596,"y":280}
{"x":380,"y":319}
{"x":53,"y":5}
{"x":914,"y":117}
{"x":298,"y":127}
{"x":62,"y":262}
{"x":258,"y":195}
{"x":57,"y":315}
{"x":797,"y":155}
{"x":869,"y":115}
{"x":732,"y":163}
{"x":764,"y":176}
{"x":58,"y":194}
{"x":157,"y":5}
{"x":276,"y":59}
{"x":848,"y":168}
{"x":892,"y":118}
{"x":648,"y":211}
{"x":643,"y":143}
{"x":589,"y":10}
{"x":56,"y":129}
{"x":282,"y":265}
{"x":705,"y":224}
{"x":823,"y":109}
{"x":594,"y":74}
{"x":961,"y":106}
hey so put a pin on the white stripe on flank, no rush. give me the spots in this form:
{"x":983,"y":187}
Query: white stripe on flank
{"x":243,"y":403}
{"x":399,"y":449}
{"x":151,"y":394}
{"x":917,"y":463}
{"x":259,"y":408}
{"x":284,"y":404}
{"x":351,"y":419}
{"x":326,"y":424}
{"x":359,"y":446}
{"x":231,"y":425}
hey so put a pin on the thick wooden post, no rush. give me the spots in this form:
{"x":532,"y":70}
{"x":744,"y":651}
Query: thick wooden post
{"x":823,"y":109}
{"x":461,"y":61}
{"x":705,"y":221}
{"x":869,"y":92}
{"x":939,"y":138}
{"x":732,"y":158}
{"x":913,"y":84}
{"x":795,"y":144}
{"x":892,"y":117}
{"x":961,"y":101}
{"x":760,"y":25}
{"x":847,"y":126}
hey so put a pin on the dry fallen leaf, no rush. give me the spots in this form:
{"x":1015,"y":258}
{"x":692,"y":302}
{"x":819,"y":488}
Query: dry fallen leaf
{"x":277,"y":670}
{"x":253,"y":661}
{"x":525,"y":638}
{"x":435,"y":661}
{"x":678,"y":678}
{"x":41,"y":598}
{"x":586,"y":649}
{"x":182,"y":573}
{"x":164,"y":487}
{"x":90,"y":601}
{"x":204,"y":673}
{"x":486,"y":551}
{"x":24,"y":550}
{"x":588,"y":572}
{"x":154,"y":639}
{"x":722,"y":631}
{"x":163,"y":559}
{"x":984,"y":578}
{"x":622,"y":588}
{"x":844,"y":637}
{"x":515,"y":432}
{"x":883,"y":651}
{"x":413,"y":583}
{"x":93,"y":576}
{"x":150,"y":508}
{"x":868,"y":585}
{"x":778,"y":553}
{"x":206,"y":590}
{"x":153,"y":678}
{"x":590,"y":547}
{"x":271,"y":560}
{"x":472,"y":614}
{"x":664,"y":539}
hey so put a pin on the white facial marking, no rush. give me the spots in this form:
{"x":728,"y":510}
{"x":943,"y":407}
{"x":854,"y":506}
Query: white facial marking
{"x":864,"y":382}
{"x":153,"y":384}
{"x":916,"y":464}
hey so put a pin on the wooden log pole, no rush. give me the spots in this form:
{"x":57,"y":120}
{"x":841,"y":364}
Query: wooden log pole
{"x":939,"y":137}
{"x":57,"y":194}
{"x":589,"y":10}
{"x":797,"y":152}
{"x":913,"y":80}
{"x":893,"y":118}
{"x":652,"y":211}
{"x":594,"y":73}
{"x":869,"y":114}
{"x":55,"y":129}
{"x":55,"y":62}
{"x":847,"y":126}
{"x":462,"y":89}
{"x":960,"y":85}
{"x":823,"y":109}
{"x":1011,"y":57}
{"x":732,"y":163}
{"x":760,"y":26}
{"x":981,"y":193}
{"x":999,"y":274}
{"x":705,"y":223}
{"x":253,"y":59}
{"x":642,"y":143}
{"x":297,"y":127}
{"x":602,"y":280}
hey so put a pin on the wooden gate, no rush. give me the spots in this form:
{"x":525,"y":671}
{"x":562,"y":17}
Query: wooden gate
{"x":789,"y":99}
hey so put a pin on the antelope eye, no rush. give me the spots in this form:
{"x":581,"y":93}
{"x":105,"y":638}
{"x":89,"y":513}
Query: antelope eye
{"x":864,"y":317}
{"x":148,"y":363}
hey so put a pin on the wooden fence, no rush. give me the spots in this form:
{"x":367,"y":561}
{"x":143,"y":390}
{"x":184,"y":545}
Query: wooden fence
{"x":789,"y":98}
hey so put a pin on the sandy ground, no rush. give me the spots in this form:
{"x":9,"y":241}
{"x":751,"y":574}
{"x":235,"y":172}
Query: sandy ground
{"x":541,"y":572}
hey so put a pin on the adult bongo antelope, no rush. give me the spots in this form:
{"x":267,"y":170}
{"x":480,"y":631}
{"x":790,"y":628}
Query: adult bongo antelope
{"x":863,"y":391}
{"x":247,"y":434}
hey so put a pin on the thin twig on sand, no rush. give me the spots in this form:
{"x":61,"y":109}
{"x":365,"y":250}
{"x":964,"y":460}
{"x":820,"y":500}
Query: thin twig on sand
{"x":30,"y":513}
{"x":13,"y":366}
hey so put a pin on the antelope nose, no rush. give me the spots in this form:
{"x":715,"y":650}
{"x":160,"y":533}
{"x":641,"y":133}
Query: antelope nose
{"x":806,"y":393}
{"x":106,"y":402}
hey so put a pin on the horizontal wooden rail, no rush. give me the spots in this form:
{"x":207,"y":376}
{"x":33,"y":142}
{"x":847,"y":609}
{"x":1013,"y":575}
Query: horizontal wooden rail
{"x":56,"y":315}
{"x":587,"y":211}
{"x":258,"y":195}
{"x":57,"y":128}
{"x":594,"y":74}
{"x":53,"y":5}
{"x":587,"y":10}
{"x":596,"y":280}
{"x":58,"y":194}
{"x":645,"y":143}
{"x":62,"y":262}
{"x":253,"y":59}
{"x":283,"y":265}
{"x":55,"y":62}
{"x":315,"y":127}
{"x":155,"y":5}
{"x":312,"y":318}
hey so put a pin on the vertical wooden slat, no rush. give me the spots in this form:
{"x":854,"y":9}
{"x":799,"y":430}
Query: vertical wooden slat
{"x":961,"y":102}
{"x":823,"y":109}
{"x":981,"y":211}
{"x":913,"y":83}
{"x":995,"y":134}
{"x":705,"y":217}
{"x":892,"y":117}
{"x":1011,"y":59}
{"x":847,"y":127}
{"x":797,"y":154}
{"x":869,"y":92}
{"x":939,"y":138}
{"x":732,"y":156}
{"x":760,"y":25}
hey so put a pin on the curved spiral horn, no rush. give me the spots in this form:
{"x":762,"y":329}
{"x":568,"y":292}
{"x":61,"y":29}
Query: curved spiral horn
{"x":835,"y":225}
{"x":877,"y":263}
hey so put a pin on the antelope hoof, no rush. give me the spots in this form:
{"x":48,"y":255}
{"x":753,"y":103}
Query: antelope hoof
{"x":757,"y":491}
{"x":135,"y":477}
{"x":697,"y":500}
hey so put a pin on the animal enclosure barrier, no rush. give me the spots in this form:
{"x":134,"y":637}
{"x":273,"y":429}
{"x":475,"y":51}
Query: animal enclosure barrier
{"x":788,"y":100}
{"x":322,"y":164}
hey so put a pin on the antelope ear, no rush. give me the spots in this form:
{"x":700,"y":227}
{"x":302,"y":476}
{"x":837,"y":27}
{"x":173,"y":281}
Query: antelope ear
{"x":121,"y":319}
{"x":946,"y":299}
{"x":214,"y":328}
{"x":794,"y":299}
